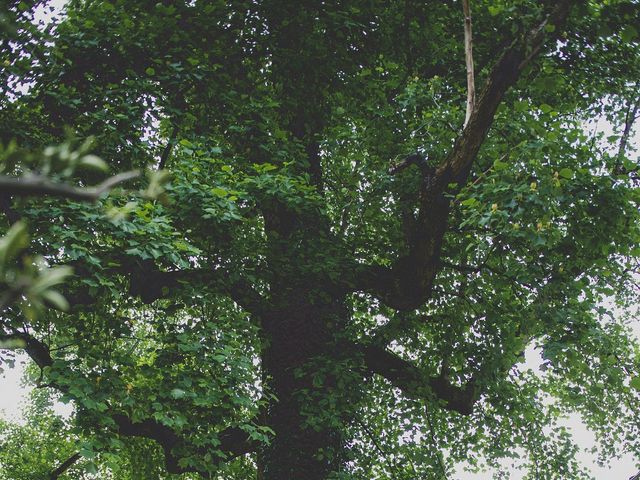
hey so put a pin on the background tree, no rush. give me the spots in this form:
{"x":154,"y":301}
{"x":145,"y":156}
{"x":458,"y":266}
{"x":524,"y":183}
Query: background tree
{"x":299,"y":301}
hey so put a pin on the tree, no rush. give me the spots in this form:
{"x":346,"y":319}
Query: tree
{"x":343,"y":279}
{"x":23,"y":455}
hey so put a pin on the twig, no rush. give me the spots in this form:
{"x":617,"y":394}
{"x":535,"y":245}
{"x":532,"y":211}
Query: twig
{"x":167,"y":149}
{"x":434,"y":442}
{"x":393,"y":468}
{"x":630,"y":118}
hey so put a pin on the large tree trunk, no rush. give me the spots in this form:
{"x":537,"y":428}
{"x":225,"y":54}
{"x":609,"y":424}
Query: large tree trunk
{"x":296,"y":363}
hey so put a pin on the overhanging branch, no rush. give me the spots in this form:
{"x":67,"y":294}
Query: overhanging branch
{"x":37,"y":185}
{"x":148,"y":282}
{"x":233,"y":441}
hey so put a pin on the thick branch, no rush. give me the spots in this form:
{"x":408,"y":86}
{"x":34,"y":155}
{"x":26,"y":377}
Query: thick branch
{"x":632,"y":115}
{"x":37,"y":185}
{"x":408,"y":283}
{"x":64,"y":466}
{"x":150,"y":284}
{"x":415,"y":383}
{"x":37,"y":350}
{"x":630,"y":118}
{"x":233,"y":441}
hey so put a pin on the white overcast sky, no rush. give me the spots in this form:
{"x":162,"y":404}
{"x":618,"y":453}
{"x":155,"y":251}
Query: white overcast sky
{"x":13,"y":394}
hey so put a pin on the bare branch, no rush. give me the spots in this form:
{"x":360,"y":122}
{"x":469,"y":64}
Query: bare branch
{"x":630,"y":118}
{"x":468,"y":57}
{"x":37,"y":185}
{"x":167,"y":149}
{"x":64,"y":466}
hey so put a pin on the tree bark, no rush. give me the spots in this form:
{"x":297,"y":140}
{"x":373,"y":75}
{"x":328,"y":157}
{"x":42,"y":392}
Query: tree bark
{"x":468,"y":56}
{"x":296,"y":365}
{"x":64,"y":466}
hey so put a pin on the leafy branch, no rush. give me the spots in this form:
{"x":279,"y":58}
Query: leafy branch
{"x":233,"y":441}
{"x":39,"y":185}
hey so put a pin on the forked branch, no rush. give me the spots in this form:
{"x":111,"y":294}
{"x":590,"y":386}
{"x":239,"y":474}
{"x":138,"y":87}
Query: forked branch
{"x":505,"y":73}
{"x":408,"y":283}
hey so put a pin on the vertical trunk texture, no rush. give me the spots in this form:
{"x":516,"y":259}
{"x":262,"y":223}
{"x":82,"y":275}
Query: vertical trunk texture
{"x":300,"y":340}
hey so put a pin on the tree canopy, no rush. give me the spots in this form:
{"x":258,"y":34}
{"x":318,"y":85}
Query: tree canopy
{"x":353,"y":253}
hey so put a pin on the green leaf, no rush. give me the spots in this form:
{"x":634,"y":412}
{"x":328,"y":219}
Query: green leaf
{"x":150,"y":71}
{"x":628,"y":33}
{"x":15,"y":240}
{"x":93,"y":162}
{"x":566,"y":173}
{"x":178,"y":393}
{"x":545,"y":108}
{"x":56,"y":299}
{"x":498,"y":165}
{"x":635,"y":383}
{"x":219,"y":192}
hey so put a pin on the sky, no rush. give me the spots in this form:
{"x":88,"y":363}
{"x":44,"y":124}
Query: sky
{"x":13,"y":393}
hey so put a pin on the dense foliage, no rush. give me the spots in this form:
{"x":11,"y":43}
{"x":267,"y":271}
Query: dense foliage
{"x":340,"y":281}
